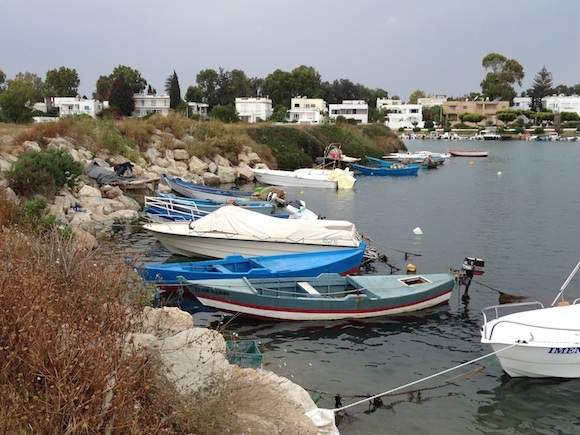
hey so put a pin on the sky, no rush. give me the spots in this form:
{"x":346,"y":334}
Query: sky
{"x":396,"y":45}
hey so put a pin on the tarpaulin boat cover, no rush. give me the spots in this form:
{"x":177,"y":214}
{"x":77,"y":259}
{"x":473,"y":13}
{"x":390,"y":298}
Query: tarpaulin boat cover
{"x":238,"y":223}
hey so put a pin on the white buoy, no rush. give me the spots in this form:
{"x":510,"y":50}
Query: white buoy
{"x":498,"y":172}
{"x":417,"y":231}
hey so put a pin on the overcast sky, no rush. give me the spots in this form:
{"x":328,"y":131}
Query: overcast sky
{"x":396,"y":45}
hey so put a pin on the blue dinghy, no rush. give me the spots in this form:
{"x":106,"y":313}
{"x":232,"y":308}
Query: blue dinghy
{"x":395,"y":170}
{"x":171,"y":276}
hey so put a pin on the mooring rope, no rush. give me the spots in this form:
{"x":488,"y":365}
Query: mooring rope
{"x":423,"y":379}
{"x":407,"y":253}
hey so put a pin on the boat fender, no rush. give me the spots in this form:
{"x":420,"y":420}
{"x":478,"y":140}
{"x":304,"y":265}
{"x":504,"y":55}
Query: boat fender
{"x":411,"y":269}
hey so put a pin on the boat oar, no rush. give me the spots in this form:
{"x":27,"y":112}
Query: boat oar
{"x":566,"y":283}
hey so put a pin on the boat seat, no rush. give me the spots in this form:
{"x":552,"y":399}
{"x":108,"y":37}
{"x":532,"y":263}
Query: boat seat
{"x":304,"y":285}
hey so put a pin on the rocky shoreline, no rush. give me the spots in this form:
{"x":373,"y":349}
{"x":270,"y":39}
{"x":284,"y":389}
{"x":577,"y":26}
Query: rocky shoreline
{"x":193,"y":357}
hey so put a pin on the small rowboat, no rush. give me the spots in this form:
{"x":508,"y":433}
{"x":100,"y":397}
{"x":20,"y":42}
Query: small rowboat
{"x":198,"y":191}
{"x":395,"y":170}
{"x":468,"y":153}
{"x":325,"y":297}
{"x":171,"y":276}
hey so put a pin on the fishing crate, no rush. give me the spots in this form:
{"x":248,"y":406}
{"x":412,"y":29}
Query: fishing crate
{"x":244,"y":353}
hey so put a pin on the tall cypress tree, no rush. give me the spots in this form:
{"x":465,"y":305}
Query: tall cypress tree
{"x":172,"y":88}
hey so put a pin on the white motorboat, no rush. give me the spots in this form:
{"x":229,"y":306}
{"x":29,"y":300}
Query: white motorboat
{"x":234,"y":230}
{"x":307,"y":177}
{"x":417,"y":156}
{"x":536,"y":341}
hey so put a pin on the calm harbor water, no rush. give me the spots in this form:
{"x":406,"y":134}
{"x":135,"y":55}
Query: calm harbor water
{"x":518,"y":210}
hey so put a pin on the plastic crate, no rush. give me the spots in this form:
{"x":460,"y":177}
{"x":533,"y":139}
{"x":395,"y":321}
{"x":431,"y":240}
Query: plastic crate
{"x":244,"y":353}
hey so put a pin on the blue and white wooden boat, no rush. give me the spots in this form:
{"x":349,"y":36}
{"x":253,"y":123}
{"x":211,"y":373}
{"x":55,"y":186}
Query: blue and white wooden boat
{"x":171,"y":276}
{"x":325,"y":297}
{"x":395,"y":170}
{"x":198,"y":191}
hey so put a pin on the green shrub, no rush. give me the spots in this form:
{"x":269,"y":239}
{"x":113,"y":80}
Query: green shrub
{"x":43,"y":172}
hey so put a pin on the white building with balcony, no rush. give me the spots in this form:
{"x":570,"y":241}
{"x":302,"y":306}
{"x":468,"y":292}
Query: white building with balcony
{"x":400,"y":114}
{"x":72,"y":106}
{"x":200,"y":109}
{"x":146,"y":104}
{"x":350,"y":109}
{"x":253,"y":109}
{"x":305,"y":110}
{"x":562,"y":103}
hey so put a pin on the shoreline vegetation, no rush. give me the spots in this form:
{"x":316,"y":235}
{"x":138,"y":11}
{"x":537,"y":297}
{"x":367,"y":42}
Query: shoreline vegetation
{"x":81,"y":347}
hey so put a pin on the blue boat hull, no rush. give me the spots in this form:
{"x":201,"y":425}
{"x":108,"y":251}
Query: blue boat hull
{"x":386,"y":171}
{"x":171,"y":276}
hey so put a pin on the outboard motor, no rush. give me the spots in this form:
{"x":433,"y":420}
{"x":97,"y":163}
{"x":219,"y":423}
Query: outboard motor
{"x":471,"y":266}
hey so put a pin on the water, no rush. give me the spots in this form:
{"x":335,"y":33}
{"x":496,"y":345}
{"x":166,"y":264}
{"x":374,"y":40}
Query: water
{"x":516,"y":209}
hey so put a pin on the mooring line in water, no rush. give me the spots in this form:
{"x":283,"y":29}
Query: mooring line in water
{"x":407,"y":253}
{"x":377,"y":396}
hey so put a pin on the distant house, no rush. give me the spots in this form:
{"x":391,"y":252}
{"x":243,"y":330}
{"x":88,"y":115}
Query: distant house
{"x":437,"y":100}
{"x":72,"y":106}
{"x":305,"y":110}
{"x":452,"y":109}
{"x":200,"y":109}
{"x":253,"y":109}
{"x":401,"y":114}
{"x":522,"y":103}
{"x":146,"y":104}
{"x":350,"y":109}
{"x":562,"y":103}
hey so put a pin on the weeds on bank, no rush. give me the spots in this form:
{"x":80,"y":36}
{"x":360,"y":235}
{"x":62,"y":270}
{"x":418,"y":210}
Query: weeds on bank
{"x":66,"y":365}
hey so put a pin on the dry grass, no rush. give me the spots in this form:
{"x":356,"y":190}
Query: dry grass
{"x":65,"y":366}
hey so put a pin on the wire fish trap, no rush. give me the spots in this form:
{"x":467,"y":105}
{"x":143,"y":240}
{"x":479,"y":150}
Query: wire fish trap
{"x":244,"y":353}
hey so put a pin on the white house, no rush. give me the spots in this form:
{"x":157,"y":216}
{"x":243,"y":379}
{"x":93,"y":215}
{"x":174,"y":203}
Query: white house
{"x":200,"y":109}
{"x":305,"y":110}
{"x":253,"y":109}
{"x":522,"y":103}
{"x":562,"y":103}
{"x":151,"y":103}
{"x":401,"y":114}
{"x":73,"y":106}
{"x":350,"y":109}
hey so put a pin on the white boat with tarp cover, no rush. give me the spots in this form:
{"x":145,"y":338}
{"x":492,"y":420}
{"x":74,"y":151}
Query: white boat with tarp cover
{"x":533,"y":340}
{"x":234,"y":230}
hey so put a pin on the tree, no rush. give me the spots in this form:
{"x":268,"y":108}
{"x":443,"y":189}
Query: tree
{"x":278,"y":86}
{"x":541,"y":87}
{"x":121,"y":96}
{"x":36,"y":82}
{"x":16,"y":101}
{"x":103,"y":87}
{"x":414,"y":97}
{"x":131,"y":76}
{"x":207,"y":83}
{"x":172,"y":88}
{"x":499,"y":82}
{"x":63,"y":82}
{"x":194,"y":94}
{"x":506,"y":116}
{"x":471,"y":117}
{"x":225,"y":113}
{"x":2,"y":80}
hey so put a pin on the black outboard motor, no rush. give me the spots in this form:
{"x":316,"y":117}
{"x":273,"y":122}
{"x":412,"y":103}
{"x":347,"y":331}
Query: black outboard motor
{"x":471,"y":266}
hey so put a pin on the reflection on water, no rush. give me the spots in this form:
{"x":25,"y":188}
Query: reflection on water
{"x":531,"y":405}
{"x":523,"y":223}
